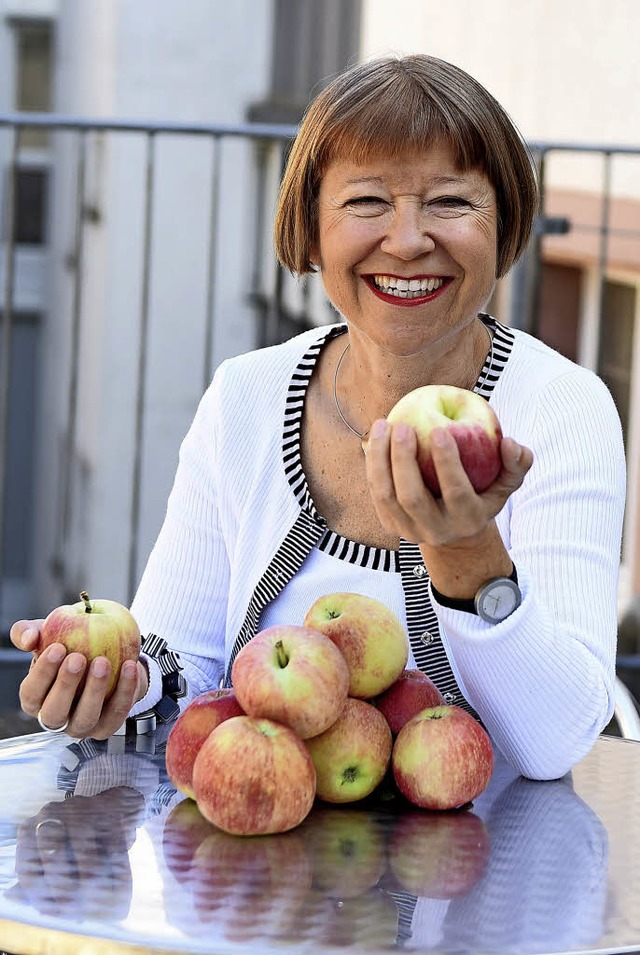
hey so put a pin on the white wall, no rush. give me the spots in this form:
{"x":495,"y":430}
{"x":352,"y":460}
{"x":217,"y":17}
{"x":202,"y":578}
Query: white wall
{"x":565,"y":71}
{"x":148,"y":60}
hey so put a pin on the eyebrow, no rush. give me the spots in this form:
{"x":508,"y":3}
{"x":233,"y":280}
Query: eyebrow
{"x":379,"y":180}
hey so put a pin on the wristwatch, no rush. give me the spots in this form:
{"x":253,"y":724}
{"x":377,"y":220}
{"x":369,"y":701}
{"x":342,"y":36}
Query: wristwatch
{"x":494,"y":601}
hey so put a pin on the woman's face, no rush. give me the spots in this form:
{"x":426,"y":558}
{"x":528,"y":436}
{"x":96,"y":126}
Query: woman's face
{"x":407,"y":247}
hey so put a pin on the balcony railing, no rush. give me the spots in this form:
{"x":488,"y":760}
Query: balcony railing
{"x":94,"y":176}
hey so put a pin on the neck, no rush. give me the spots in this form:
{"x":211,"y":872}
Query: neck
{"x":371,"y":381}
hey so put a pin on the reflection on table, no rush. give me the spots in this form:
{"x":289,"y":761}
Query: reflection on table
{"x":97,"y":843}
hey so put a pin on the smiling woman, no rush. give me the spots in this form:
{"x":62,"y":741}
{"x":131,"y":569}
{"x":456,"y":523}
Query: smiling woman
{"x":410,"y":191}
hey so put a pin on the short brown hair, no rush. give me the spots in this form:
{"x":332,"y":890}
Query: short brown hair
{"x":389,"y":106}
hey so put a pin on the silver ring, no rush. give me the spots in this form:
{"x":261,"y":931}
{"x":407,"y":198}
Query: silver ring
{"x":49,"y":729}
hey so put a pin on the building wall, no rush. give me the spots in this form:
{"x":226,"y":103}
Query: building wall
{"x":137,"y":59}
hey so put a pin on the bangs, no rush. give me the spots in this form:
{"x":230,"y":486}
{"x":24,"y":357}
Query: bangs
{"x":391,"y":122}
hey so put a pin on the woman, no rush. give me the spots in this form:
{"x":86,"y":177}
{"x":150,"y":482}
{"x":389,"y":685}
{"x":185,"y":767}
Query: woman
{"x":411,"y":192}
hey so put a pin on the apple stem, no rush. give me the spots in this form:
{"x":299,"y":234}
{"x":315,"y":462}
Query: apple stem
{"x":283,"y":659}
{"x":87,"y":602}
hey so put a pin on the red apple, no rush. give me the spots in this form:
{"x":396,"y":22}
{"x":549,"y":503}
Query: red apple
{"x":253,"y":777}
{"x":352,"y":756}
{"x":191,"y":729}
{"x":442,"y":758}
{"x":293,"y":675}
{"x":95,"y":628}
{"x":467,"y":416}
{"x":369,"y":636}
{"x":439,"y":855}
{"x":413,"y":691}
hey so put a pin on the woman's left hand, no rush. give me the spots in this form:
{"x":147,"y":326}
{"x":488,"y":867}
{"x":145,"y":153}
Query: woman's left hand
{"x":406,"y":507}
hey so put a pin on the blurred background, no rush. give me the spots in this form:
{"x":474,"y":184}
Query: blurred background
{"x":141,"y":146}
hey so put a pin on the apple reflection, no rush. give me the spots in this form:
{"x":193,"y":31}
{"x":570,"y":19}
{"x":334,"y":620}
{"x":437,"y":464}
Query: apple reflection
{"x":544,"y":887}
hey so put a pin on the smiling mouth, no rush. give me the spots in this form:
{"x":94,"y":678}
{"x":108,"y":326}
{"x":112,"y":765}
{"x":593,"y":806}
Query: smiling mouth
{"x":406,"y":289}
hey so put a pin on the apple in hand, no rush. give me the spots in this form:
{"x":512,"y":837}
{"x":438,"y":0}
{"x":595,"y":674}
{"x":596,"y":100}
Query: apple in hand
{"x":293,"y":675}
{"x":191,"y":729}
{"x":369,"y":636}
{"x":253,"y":777}
{"x":352,"y":756}
{"x":440,"y":855}
{"x":95,"y":628}
{"x":413,"y":691}
{"x":470,"y":420}
{"x":442,"y":758}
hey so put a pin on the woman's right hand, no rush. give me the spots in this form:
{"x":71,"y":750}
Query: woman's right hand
{"x":50,"y":689}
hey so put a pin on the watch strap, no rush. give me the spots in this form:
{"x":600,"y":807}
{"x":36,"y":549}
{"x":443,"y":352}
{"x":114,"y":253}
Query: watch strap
{"x":467,"y":604}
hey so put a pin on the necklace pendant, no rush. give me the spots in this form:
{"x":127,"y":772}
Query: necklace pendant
{"x":364,"y":441}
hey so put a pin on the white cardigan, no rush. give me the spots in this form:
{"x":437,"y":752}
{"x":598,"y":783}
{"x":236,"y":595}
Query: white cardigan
{"x":542,"y":680}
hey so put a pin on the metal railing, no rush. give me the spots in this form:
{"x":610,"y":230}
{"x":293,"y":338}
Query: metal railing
{"x":281,"y":305}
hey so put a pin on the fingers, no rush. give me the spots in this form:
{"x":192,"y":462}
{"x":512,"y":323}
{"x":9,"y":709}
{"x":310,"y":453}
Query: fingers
{"x":25,"y":634}
{"x":95,"y":717}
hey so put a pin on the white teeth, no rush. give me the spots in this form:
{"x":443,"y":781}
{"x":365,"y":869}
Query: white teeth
{"x":407,"y":288}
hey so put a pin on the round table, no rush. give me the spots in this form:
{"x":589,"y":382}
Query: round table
{"x":101,"y":854}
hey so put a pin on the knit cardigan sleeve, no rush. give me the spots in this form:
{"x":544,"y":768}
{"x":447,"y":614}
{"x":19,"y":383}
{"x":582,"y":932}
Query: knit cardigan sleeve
{"x":184,"y":589}
{"x":543,"y":679}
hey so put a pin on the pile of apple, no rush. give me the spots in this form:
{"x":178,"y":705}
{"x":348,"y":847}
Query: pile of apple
{"x":324,"y":710}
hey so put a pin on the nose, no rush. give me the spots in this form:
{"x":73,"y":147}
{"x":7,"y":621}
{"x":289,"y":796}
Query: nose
{"x":408,"y":235}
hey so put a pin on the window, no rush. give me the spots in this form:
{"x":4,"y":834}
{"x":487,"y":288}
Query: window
{"x":312,"y":41}
{"x":616,"y":345}
{"x":33,"y":59}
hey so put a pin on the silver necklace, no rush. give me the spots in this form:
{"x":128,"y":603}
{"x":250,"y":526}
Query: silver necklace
{"x":364,"y":435}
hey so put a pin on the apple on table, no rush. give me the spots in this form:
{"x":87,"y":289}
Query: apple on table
{"x":253,"y":777}
{"x":293,"y":675}
{"x":369,"y":635}
{"x":442,"y":758}
{"x":94,"y":628}
{"x":412,"y":692}
{"x":190,"y":730}
{"x":352,"y":756}
{"x":470,"y":420}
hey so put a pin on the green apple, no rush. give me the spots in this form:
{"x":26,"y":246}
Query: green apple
{"x":352,"y":756}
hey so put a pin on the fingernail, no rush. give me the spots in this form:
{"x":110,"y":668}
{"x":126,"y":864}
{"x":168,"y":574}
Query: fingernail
{"x":379,"y":428}
{"x":130,"y":669}
{"x":76,"y":663}
{"x":56,"y":653}
{"x":100,"y":668}
{"x":26,"y":637}
{"x":401,"y":432}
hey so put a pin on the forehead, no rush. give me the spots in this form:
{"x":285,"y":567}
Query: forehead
{"x":434,"y":167}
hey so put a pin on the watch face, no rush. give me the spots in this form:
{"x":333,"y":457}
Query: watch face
{"x":498,"y":599}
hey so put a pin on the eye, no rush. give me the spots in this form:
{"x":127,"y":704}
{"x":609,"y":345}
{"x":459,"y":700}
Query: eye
{"x":367,"y":205}
{"x":449,"y":204}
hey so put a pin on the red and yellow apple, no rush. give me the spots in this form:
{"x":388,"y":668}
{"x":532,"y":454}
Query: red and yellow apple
{"x":94,"y":628}
{"x":253,"y":777}
{"x":442,"y":758}
{"x":439,"y":855}
{"x":352,"y":756}
{"x":293,"y":675}
{"x":190,"y":730}
{"x":470,"y":420}
{"x":413,"y":691}
{"x":369,"y":636}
